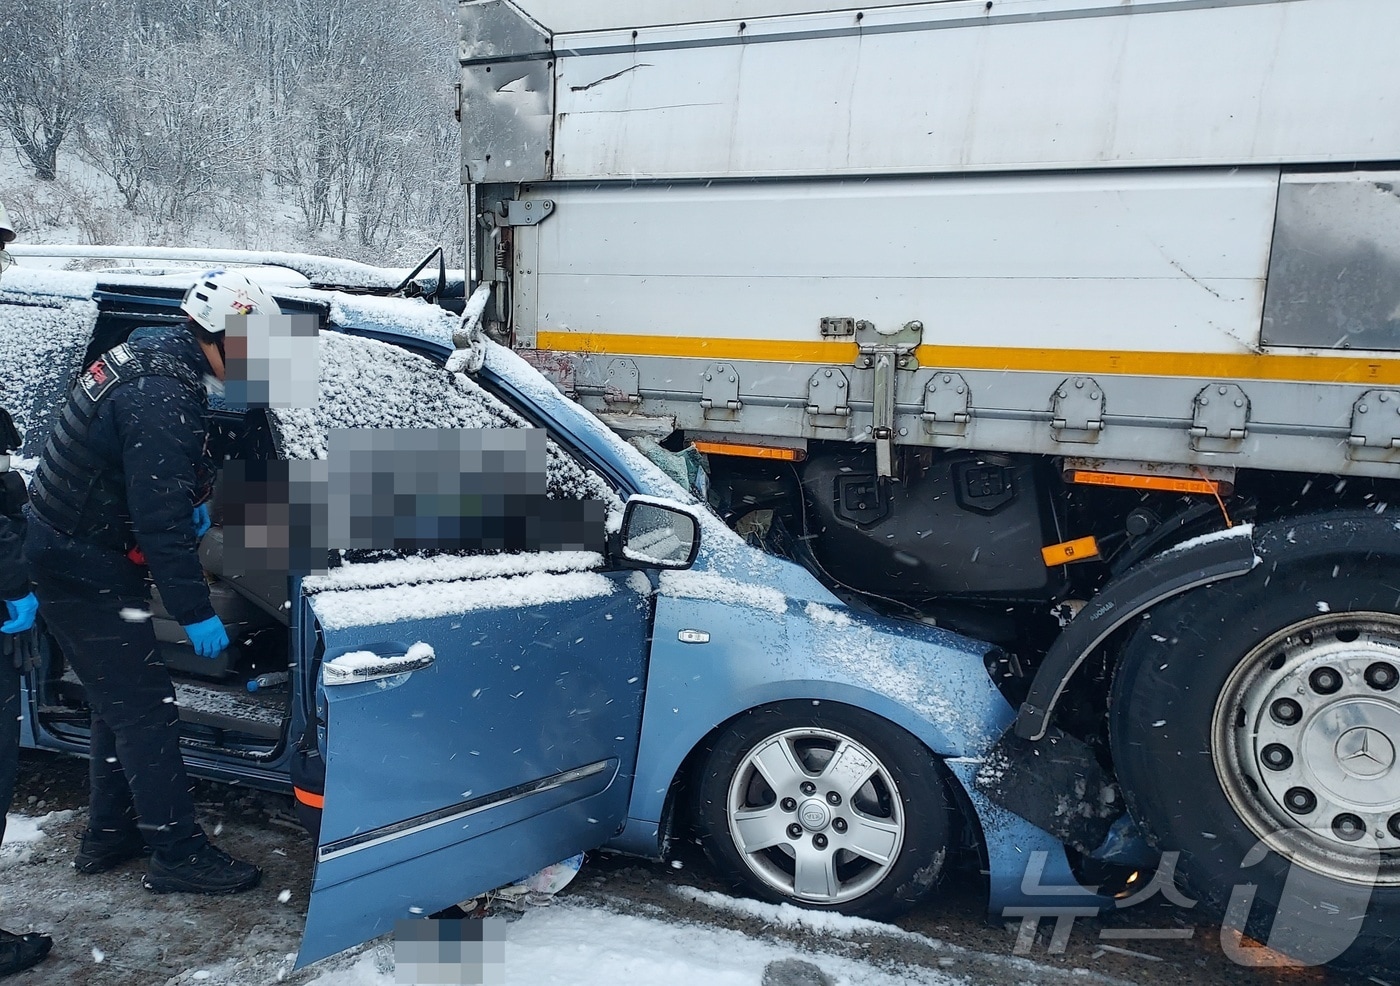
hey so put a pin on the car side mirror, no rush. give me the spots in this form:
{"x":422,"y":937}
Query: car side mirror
{"x":658,"y":534}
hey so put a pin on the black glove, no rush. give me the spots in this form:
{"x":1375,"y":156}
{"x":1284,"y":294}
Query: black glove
{"x":22,"y":649}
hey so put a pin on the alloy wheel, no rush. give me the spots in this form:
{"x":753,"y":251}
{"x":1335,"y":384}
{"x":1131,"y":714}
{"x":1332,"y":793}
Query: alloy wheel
{"x":815,"y":815}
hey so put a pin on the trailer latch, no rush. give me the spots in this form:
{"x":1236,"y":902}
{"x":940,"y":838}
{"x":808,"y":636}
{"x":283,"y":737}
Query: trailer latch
{"x":521,"y":212}
{"x":886,"y":353}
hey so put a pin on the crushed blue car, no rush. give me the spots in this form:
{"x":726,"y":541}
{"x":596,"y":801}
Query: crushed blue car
{"x":452,"y":721}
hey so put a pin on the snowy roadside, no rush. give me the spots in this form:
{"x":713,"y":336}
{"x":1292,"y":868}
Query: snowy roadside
{"x":111,"y":932}
{"x":620,"y":923}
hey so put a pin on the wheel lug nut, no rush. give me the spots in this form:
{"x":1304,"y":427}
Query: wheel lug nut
{"x":1300,"y":800}
{"x":1276,"y":756}
{"x":833,"y":798}
{"x":1348,"y":827}
{"x":808,"y":788}
{"x":789,"y":804}
{"x":1286,"y":712}
{"x":1325,"y":681}
{"x":840,"y":823}
{"x":794,"y":831}
{"x":1382,"y":676}
{"x":819,"y":841}
{"x":1394,"y":826}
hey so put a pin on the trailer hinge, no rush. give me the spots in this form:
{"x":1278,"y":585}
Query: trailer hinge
{"x":1077,"y":410}
{"x":947,"y":404}
{"x":886,"y":353}
{"x":829,"y":398}
{"x":1375,"y":427}
{"x":521,"y":212}
{"x":1220,"y":421}
{"x":623,"y":386}
{"x":719,"y":392}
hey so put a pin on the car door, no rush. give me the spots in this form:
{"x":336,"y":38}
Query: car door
{"x":505,"y":744}
{"x":480,"y":712}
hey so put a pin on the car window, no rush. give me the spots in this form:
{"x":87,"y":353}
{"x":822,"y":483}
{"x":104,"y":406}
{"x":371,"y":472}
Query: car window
{"x":370,"y":384}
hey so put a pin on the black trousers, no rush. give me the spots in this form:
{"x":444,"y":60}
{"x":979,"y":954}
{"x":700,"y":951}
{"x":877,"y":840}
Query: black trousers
{"x":9,"y":736}
{"x":137,"y":776}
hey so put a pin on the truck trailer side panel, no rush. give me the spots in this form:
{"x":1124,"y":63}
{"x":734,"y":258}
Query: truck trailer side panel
{"x":956,"y":87}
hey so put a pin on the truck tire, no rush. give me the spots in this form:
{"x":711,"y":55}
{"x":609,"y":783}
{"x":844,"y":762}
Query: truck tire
{"x":780,"y":825}
{"x":1255,"y":725}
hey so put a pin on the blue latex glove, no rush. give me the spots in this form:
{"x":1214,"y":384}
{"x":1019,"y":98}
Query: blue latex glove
{"x":202,"y":523}
{"x":207,"y":637}
{"x":21,"y":614}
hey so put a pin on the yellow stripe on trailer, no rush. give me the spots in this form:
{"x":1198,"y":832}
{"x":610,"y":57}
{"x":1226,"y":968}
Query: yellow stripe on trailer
{"x":1305,"y":368}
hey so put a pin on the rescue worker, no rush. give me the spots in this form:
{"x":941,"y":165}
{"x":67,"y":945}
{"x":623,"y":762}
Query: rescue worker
{"x":18,"y":646}
{"x":120,"y":491}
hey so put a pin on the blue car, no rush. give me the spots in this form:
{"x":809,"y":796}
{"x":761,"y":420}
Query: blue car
{"x":451,"y":722}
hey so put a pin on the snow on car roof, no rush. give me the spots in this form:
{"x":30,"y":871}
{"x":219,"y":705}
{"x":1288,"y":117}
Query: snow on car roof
{"x":317,"y":269}
{"x":371,"y":384}
{"x":412,"y":317}
{"x":54,"y":283}
{"x":46,"y":320}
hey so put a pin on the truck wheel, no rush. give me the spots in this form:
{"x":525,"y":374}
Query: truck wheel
{"x":1255,"y":726}
{"x":825,"y":807}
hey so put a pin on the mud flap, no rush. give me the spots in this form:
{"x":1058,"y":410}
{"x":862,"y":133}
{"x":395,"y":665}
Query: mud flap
{"x":1055,"y":783}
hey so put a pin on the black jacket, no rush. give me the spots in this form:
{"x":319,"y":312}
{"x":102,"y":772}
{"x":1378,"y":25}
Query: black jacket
{"x":151,"y":436}
{"x":13,"y":583}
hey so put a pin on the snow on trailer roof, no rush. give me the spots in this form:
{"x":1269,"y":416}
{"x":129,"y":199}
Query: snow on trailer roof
{"x":316,"y":269}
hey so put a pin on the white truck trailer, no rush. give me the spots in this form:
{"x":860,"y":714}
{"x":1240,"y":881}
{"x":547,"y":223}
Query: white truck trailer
{"x":1068,"y":324}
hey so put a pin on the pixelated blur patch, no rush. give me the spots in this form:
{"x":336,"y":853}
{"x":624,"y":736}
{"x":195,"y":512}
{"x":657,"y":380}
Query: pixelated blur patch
{"x":465,"y":951}
{"x":452,"y":489}
{"x":272,"y":360}
{"x":274,"y":518}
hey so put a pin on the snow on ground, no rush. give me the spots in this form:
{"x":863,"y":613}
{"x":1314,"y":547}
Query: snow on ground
{"x":111,"y":932}
{"x":621,"y":922}
{"x":581,"y":945}
{"x":23,"y":830}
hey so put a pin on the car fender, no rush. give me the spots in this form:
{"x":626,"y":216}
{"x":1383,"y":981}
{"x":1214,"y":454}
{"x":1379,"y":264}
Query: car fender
{"x":930,"y":682}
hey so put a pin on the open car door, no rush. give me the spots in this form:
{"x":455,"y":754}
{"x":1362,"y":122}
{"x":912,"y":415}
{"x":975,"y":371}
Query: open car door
{"x":470,"y":747}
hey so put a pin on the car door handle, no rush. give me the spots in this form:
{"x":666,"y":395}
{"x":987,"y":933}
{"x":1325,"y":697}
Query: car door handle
{"x":367,"y":666}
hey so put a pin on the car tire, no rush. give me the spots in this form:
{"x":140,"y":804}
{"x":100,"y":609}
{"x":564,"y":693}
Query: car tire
{"x":1230,"y":736}
{"x":856,"y":803}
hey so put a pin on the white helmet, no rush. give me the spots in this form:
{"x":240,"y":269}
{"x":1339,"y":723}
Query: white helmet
{"x":220,"y":293}
{"x":7,"y":232}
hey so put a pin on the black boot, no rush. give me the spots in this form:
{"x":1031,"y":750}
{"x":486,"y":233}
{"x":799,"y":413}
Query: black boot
{"x":205,"y":871}
{"x":102,"y":851}
{"x":19,"y":952}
